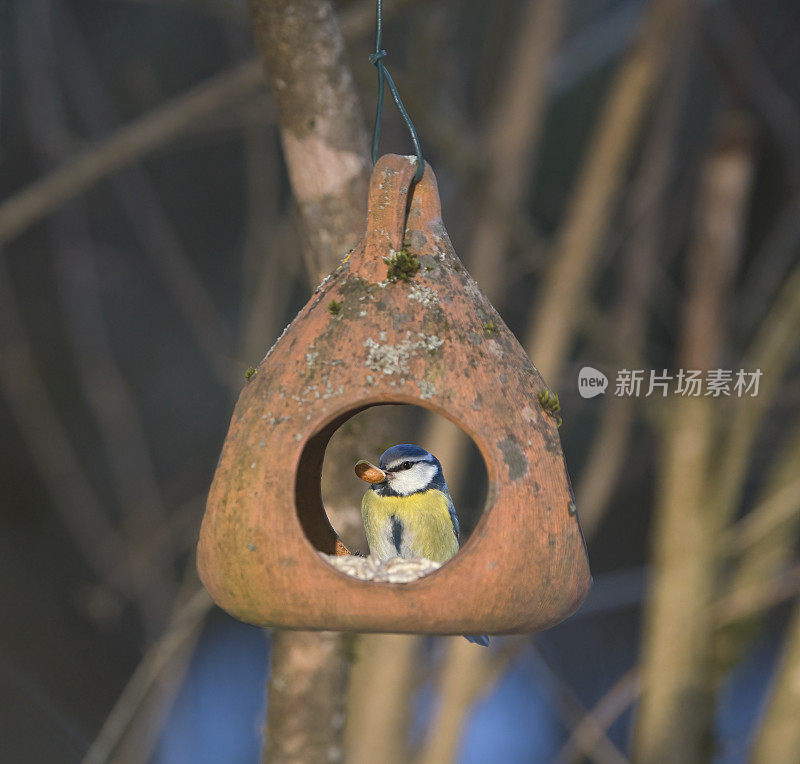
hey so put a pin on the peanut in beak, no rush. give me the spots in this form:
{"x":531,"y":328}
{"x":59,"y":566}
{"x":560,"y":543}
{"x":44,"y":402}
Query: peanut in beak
{"x":369,"y":472}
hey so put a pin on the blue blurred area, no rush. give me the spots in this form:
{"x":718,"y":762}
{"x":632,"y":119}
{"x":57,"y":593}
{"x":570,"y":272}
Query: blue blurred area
{"x":219,"y":713}
{"x":516,"y":723}
{"x":743,"y":697}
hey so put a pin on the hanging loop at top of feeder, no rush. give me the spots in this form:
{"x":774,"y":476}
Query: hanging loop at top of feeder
{"x":389,"y":205}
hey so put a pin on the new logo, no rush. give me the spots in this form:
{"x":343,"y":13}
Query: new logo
{"x":591,"y":382}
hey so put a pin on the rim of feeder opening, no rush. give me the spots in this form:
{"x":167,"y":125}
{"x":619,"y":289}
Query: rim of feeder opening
{"x":419,"y":340}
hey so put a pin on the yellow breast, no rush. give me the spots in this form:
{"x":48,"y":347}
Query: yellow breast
{"x":418,"y":525}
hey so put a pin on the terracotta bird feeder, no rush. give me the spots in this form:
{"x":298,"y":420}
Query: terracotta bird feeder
{"x":400,"y":321}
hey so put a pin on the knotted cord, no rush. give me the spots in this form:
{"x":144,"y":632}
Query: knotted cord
{"x":376,"y":59}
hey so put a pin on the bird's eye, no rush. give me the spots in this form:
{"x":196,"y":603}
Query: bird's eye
{"x":406,"y":465}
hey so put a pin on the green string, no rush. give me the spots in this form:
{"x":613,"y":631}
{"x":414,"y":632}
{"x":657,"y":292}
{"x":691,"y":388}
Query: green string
{"x":376,"y":59}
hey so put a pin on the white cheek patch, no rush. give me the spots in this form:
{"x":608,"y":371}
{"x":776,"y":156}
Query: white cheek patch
{"x":416,"y":479}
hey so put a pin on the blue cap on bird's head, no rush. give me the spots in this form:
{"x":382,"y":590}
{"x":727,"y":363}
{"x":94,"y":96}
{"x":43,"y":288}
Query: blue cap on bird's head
{"x":395,"y":455}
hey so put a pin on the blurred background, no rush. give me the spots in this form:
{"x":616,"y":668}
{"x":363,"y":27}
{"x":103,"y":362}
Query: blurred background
{"x":622,"y":178}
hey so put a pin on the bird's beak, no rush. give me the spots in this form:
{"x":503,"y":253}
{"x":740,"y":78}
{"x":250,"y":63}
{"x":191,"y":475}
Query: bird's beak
{"x":369,"y":472}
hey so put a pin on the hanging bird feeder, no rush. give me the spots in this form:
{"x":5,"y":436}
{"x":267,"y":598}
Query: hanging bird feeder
{"x":400,"y":321}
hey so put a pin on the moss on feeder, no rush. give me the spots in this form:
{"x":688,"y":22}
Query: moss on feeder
{"x":549,"y":402}
{"x":403,"y":266}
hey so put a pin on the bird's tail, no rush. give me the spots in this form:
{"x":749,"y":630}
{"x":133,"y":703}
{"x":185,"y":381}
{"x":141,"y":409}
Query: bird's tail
{"x":480,"y":639}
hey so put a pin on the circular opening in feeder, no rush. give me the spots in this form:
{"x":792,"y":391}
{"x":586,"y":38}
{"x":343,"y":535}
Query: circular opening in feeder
{"x":365,"y":436}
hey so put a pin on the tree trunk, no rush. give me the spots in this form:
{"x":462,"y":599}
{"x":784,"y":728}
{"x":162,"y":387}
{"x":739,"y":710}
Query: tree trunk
{"x":322,"y":130}
{"x":325,"y":147}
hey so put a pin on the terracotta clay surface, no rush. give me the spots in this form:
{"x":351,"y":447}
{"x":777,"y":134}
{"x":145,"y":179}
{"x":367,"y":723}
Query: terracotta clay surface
{"x":361,"y":340}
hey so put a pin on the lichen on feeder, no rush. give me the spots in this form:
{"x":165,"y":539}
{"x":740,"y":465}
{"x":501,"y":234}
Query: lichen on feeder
{"x":365,"y":339}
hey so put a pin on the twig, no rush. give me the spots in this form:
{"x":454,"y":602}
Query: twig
{"x":594,"y":46}
{"x":184,"y":627}
{"x":468,"y":673}
{"x":771,"y":350}
{"x":646,"y":210}
{"x":677,"y":664}
{"x":764,"y":541}
{"x":512,"y":136}
{"x":771,"y":263}
{"x":267,"y":273}
{"x":587,"y":217}
{"x":154,"y":130}
{"x":745,"y":62}
{"x":62,"y":473}
{"x":379,"y":712}
{"x":765,"y":519}
{"x":142,"y":136}
{"x":149,"y":222}
{"x":587,"y":733}
{"x":143,"y":731}
{"x":753,"y":598}
{"x":598,"y":748}
{"x":464,"y":677}
{"x":628,"y":688}
{"x":778,"y":738}
{"x":120,"y":427}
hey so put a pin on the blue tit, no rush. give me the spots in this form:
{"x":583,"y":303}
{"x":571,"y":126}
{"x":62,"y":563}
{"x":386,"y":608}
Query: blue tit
{"x":408,"y":511}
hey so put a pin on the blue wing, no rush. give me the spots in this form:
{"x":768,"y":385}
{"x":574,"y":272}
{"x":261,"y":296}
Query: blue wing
{"x":477,"y":639}
{"x":451,"y":508}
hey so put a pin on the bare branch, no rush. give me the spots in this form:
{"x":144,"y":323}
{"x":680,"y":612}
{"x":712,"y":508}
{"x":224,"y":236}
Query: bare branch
{"x":598,"y":747}
{"x":105,"y":388}
{"x":594,"y":725}
{"x":379,"y":713}
{"x":646,"y":211}
{"x":778,"y":739}
{"x":26,"y":207}
{"x":183,"y":630}
{"x":72,"y":494}
{"x":677,"y":665}
{"x":512,"y":136}
{"x":465,"y":677}
{"x":767,"y":521}
{"x":588,"y":213}
{"x":142,"y":136}
{"x":752,"y":599}
{"x":772,"y":350}
{"x":745,"y":63}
